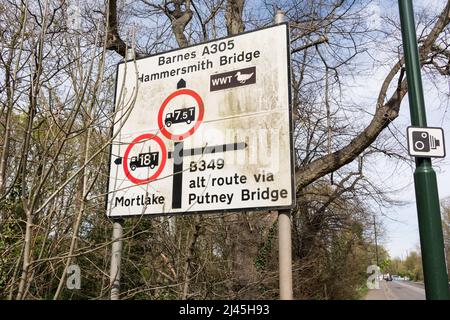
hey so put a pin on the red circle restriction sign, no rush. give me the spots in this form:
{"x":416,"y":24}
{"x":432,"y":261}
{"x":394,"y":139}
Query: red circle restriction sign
{"x":147,"y":136}
{"x":163,"y":127}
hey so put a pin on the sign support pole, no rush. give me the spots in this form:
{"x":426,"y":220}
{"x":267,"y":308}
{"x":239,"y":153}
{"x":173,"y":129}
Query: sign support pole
{"x":285,"y":254}
{"x":284,"y":230}
{"x":116,"y":257}
{"x":117,"y":234}
{"x":427,"y":198}
{"x":376,"y":240}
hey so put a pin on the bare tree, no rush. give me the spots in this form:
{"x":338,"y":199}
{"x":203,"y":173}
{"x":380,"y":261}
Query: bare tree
{"x":56,"y":112}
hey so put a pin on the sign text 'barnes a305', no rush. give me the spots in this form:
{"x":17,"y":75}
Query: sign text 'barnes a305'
{"x":204,"y":128}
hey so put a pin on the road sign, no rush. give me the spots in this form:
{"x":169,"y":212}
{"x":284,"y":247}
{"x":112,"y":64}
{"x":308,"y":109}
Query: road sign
{"x":204,"y":128}
{"x":426,"y":142}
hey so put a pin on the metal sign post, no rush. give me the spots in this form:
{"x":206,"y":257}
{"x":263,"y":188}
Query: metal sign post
{"x":117,"y":234}
{"x":427,"y":199}
{"x":285,"y":254}
{"x":116,"y":257}
{"x":284,"y":230}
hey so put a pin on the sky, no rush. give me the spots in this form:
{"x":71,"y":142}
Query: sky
{"x":400,"y":222}
{"x":402,"y":233}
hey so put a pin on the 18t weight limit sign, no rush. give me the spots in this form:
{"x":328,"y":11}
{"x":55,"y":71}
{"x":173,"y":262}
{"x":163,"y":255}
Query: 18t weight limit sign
{"x":204,"y":128}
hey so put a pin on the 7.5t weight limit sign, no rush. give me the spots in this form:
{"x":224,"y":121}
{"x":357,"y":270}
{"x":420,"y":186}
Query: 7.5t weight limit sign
{"x":204,"y":128}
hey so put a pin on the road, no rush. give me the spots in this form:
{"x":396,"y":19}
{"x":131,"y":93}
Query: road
{"x":397,"y":290}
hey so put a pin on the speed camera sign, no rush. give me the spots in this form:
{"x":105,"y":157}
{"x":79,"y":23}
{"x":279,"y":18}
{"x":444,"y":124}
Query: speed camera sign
{"x":426,"y":142}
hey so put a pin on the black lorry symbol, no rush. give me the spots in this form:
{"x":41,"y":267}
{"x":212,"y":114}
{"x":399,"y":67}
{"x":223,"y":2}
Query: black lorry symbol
{"x":180,"y":115}
{"x":149,"y":159}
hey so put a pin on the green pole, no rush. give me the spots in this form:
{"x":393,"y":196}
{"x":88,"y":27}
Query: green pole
{"x":427,"y":198}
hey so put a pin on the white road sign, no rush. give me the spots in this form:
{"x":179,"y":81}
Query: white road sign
{"x":204,"y":128}
{"x":426,"y":142}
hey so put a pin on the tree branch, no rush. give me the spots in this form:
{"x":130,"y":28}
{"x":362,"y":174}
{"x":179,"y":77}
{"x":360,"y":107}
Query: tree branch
{"x":384,"y":115}
{"x":113,"y":40}
{"x":233,"y":16}
{"x":323,"y":39}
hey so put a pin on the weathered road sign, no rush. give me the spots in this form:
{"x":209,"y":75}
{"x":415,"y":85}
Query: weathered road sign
{"x":426,"y":142}
{"x":204,"y":128}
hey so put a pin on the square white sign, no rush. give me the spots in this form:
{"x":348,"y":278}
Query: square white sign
{"x":426,"y":142}
{"x":205,"y":128}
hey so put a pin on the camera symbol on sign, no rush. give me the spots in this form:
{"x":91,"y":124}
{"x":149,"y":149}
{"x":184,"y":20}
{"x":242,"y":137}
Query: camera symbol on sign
{"x":424,"y":142}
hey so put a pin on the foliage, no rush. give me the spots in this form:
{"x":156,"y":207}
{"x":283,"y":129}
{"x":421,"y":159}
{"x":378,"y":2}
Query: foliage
{"x":57,"y":111}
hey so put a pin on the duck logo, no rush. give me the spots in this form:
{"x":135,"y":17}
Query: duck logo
{"x":243,"y":77}
{"x":233,"y":79}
